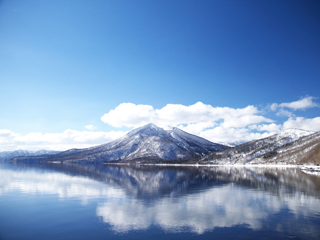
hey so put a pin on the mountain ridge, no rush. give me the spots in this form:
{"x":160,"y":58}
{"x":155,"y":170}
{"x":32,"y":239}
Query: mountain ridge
{"x":150,"y":144}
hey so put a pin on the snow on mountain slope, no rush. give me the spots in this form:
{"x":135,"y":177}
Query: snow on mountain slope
{"x":148,"y":141}
{"x":305,"y":150}
{"x":149,"y":130}
{"x":292,"y":134}
{"x":195,"y":143}
{"x":245,"y":153}
{"x":145,"y":142}
{"x":233,"y":144}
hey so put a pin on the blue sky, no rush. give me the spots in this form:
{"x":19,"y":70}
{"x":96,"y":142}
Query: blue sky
{"x":116,"y":65}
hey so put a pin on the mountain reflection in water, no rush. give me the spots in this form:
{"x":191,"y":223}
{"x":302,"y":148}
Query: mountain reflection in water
{"x":181,"y":199}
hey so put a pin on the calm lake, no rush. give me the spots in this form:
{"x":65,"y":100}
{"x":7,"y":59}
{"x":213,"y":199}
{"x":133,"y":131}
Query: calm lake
{"x":54,"y":201}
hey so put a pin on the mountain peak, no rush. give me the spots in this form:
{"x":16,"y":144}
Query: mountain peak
{"x":148,"y":130}
{"x":149,"y":125}
{"x":177,"y":129}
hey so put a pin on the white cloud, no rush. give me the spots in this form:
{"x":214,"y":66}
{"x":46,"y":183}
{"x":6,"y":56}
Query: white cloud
{"x":131,"y":115}
{"x":310,"y":124}
{"x":244,"y":121}
{"x":4,"y":133}
{"x":230,"y":135}
{"x":285,"y":113}
{"x":273,"y":128}
{"x":68,"y":139}
{"x":197,"y":128}
{"x":273,"y":106}
{"x":301,"y":104}
{"x":90,"y":127}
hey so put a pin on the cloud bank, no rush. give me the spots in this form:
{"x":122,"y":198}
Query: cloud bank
{"x":68,"y":139}
{"x":131,"y":115}
{"x":90,"y":127}
{"x":217,"y":124}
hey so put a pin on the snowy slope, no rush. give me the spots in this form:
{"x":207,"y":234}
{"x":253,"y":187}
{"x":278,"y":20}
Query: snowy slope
{"x":147,"y":142}
{"x":247,"y":152}
{"x":195,"y":143}
{"x":305,"y":150}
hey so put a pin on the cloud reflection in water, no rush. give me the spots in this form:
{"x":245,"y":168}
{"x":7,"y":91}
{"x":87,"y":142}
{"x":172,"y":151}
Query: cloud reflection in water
{"x":63,"y":185}
{"x":242,"y":196}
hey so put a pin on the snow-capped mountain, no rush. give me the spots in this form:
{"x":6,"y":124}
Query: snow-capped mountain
{"x":248,"y":153}
{"x":145,"y":143}
{"x":7,"y":155}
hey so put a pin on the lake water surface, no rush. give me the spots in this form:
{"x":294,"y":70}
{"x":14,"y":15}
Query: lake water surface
{"x":53,"y":201}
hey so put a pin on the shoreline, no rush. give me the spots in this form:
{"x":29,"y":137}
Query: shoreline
{"x":216,"y":165}
{"x":307,"y":168}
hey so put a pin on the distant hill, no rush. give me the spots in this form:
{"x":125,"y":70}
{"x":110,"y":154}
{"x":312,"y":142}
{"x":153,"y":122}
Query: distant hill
{"x":8,"y":155}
